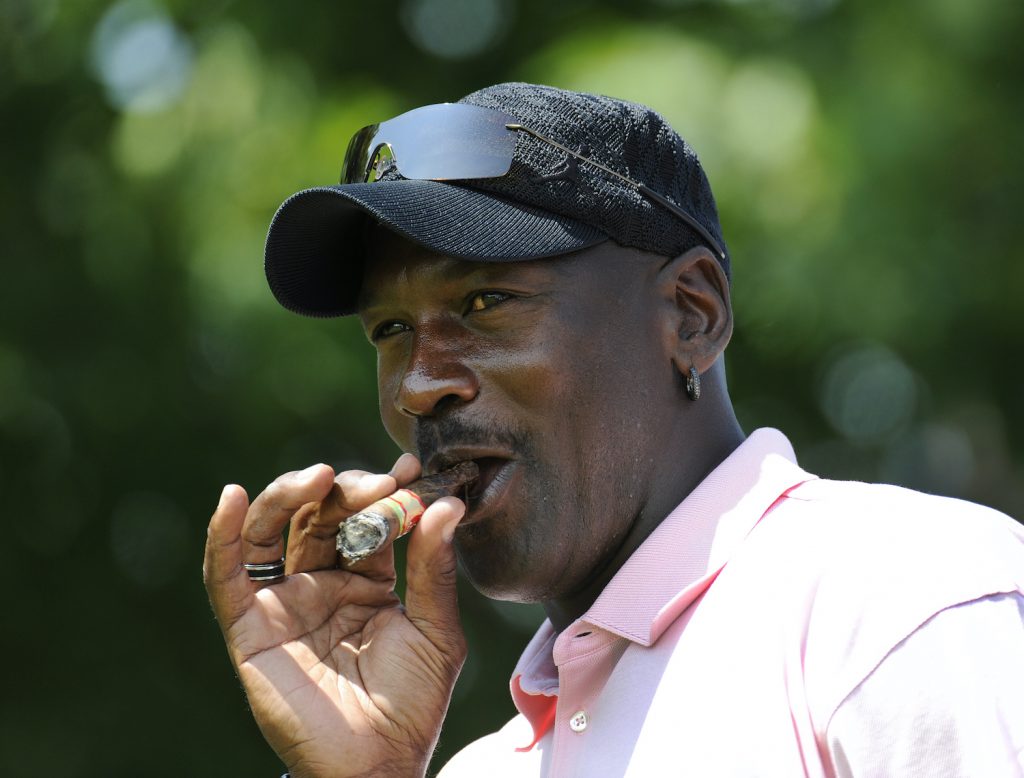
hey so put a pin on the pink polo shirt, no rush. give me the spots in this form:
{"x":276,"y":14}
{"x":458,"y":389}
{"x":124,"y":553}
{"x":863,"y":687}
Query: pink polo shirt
{"x":775,"y":624}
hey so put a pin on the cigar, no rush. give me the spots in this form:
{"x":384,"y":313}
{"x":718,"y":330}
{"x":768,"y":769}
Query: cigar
{"x":366,"y":532}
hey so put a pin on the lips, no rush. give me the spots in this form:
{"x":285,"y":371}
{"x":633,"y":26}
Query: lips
{"x":487,"y":492}
{"x":490,"y":493}
{"x":489,"y":468}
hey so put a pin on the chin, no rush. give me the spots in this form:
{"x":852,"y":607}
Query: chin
{"x":498,"y":572}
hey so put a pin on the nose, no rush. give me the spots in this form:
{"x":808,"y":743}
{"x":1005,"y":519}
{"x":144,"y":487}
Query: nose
{"x":436,"y":378}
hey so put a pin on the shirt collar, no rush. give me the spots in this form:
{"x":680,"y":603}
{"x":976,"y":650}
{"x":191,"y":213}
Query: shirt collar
{"x":681,"y":558}
{"x":677,"y":562}
{"x":673,"y":566}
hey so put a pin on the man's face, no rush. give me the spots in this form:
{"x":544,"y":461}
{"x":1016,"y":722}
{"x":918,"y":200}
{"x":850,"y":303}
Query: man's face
{"x":550,"y":374}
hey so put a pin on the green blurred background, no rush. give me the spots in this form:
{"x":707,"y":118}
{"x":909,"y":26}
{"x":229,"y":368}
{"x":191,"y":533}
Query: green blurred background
{"x":867,"y":161}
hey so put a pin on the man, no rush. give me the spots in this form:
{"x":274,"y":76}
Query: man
{"x":558,"y":314}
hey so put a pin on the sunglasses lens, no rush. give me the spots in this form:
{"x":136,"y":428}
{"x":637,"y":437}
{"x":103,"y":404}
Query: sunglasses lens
{"x":356,"y":166}
{"x":438,"y":142}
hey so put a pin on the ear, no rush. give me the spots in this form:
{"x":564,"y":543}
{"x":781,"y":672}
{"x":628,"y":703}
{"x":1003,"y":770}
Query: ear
{"x":698,"y":315}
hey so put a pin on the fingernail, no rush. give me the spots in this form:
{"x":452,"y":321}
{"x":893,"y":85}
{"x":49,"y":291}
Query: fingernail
{"x":373,"y":481}
{"x":309,"y":472}
{"x":223,"y":496}
{"x":398,"y":462}
{"x":448,"y":533}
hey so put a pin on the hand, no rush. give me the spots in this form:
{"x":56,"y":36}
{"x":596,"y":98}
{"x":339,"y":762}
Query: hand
{"x":342,"y":680}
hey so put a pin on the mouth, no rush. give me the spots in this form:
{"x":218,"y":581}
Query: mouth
{"x":486,"y":493}
{"x":489,"y":468}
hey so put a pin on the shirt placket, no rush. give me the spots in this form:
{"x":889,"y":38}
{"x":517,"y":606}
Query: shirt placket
{"x":585,"y":657}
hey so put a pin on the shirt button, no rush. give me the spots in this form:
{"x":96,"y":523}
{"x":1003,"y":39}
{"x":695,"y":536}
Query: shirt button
{"x":579,"y":721}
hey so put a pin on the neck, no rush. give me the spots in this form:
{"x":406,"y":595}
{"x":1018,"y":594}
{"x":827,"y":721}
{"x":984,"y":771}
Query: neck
{"x":682,"y":470}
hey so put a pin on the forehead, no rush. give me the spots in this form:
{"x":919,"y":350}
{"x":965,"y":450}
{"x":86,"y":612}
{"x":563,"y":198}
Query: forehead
{"x":393,"y":264}
{"x":603,"y":284}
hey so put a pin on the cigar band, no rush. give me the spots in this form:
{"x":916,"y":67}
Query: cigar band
{"x":407,"y":508}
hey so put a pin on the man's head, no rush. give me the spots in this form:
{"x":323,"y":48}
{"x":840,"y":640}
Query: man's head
{"x":564,"y":378}
{"x":551,"y":346}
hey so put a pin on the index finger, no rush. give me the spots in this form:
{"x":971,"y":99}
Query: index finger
{"x":312,"y":541}
{"x":381,"y":565}
{"x":262,"y":532}
{"x":314,"y":528}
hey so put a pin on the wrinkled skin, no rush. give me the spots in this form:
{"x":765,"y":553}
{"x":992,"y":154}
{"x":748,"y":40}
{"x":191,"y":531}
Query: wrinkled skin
{"x":563,"y":379}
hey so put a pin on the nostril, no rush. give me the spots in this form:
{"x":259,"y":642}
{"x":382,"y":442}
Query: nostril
{"x":446,"y":402}
{"x":425,"y":406}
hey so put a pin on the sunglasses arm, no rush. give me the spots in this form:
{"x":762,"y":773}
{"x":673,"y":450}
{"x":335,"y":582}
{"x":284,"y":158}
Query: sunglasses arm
{"x":644,"y":190}
{"x":374,"y":158}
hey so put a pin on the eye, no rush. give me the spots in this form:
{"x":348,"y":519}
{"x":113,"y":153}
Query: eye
{"x":483,"y":300}
{"x":388,"y":329}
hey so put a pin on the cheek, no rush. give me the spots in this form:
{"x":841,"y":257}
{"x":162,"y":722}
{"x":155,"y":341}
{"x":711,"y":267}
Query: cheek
{"x":396,"y":424}
{"x":535,"y":370}
{"x":603,"y":421}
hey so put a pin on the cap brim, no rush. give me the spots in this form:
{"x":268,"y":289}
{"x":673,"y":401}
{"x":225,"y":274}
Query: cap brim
{"x":315,"y":247}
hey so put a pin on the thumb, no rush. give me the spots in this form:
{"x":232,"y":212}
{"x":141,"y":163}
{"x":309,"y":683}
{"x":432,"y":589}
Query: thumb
{"x":431,"y":601}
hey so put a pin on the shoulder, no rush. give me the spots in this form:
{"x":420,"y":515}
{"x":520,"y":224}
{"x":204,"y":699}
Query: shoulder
{"x":948,"y":700}
{"x":889,"y":533}
{"x":843,"y":498}
{"x":863,"y":566}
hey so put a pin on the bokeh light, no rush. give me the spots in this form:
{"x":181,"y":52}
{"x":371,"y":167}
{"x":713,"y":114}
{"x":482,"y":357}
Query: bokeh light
{"x":455,"y":29}
{"x":140,"y":56}
{"x":868,"y":393}
{"x":935,"y":458}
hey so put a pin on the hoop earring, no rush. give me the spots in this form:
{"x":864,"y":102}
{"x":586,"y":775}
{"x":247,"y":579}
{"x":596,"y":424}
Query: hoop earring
{"x":693,"y":384}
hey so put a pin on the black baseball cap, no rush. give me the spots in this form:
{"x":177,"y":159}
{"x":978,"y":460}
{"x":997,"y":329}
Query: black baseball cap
{"x":547,"y":203}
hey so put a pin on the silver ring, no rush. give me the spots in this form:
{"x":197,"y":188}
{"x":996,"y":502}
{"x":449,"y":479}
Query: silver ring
{"x":265,"y":571}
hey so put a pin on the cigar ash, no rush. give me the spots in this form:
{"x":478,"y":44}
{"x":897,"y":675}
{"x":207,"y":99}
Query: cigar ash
{"x":362,"y":535}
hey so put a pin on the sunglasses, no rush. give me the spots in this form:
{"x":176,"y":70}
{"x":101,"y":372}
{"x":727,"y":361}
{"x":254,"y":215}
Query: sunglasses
{"x":455,"y":141}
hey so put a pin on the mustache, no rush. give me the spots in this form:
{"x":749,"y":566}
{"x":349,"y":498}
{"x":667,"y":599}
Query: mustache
{"x":436,"y":434}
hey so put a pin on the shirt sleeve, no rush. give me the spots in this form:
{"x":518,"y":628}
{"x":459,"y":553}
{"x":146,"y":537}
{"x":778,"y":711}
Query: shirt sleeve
{"x":947,"y":701}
